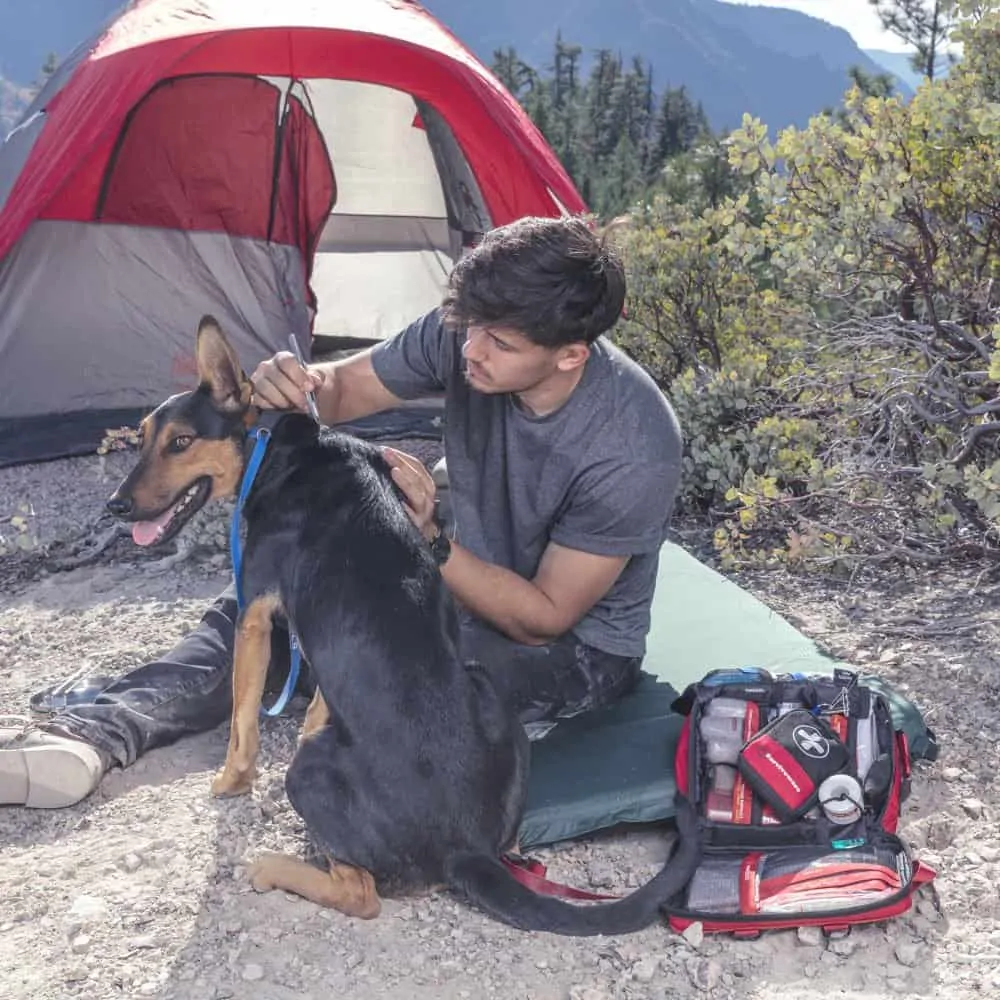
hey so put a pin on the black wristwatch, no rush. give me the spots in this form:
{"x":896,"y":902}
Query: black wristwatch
{"x":440,"y":544}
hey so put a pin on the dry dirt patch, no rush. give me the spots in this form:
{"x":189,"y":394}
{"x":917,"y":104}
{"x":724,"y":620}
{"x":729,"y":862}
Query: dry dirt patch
{"x":141,"y":890}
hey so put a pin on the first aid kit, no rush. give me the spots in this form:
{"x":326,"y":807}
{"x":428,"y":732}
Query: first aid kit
{"x":797,"y":783}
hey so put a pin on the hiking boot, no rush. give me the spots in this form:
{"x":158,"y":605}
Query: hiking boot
{"x":42,"y":770}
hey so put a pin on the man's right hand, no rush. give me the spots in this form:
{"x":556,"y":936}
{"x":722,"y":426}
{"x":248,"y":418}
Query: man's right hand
{"x":280,"y":383}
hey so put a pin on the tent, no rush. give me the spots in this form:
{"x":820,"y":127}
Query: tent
{"x":312,"y":167}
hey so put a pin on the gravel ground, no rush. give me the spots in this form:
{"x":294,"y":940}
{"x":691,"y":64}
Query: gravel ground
{"x":142,"y":889}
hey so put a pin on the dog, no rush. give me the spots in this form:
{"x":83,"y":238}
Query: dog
{"x":410,"y":772}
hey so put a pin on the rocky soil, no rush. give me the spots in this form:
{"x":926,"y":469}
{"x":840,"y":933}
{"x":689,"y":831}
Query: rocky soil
{"x":142,"y":891}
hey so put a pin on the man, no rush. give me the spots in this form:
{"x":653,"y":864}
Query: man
{"x":563,"y":460}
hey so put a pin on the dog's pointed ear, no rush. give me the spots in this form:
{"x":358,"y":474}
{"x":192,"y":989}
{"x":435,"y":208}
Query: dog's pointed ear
{"x":219,"y":368}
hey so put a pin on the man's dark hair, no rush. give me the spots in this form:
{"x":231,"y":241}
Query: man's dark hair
{"x":557,"y":281}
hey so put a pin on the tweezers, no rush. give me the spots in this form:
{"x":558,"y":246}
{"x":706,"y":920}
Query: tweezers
{"x":310,"y":396}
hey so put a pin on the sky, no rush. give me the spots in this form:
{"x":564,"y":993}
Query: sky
{"x":857,"y":16}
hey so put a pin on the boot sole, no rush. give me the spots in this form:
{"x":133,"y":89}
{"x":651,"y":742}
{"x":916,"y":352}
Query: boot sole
{"x":47,"y":777}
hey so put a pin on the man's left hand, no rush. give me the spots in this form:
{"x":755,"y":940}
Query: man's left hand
{"x":417,"y":485}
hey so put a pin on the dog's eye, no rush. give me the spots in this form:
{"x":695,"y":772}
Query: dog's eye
{"x":180,"y":443}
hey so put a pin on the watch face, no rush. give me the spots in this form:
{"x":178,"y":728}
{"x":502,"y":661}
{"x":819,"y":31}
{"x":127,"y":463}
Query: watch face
{"x":441,"y":548}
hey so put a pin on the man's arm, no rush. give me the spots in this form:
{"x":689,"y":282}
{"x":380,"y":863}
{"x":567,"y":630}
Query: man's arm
{"x":415,"y":362}
{"x":567,"y":584}
{"x":345,"y":390}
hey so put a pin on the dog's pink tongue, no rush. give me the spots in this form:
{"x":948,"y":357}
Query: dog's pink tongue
{"x":147,"y":532}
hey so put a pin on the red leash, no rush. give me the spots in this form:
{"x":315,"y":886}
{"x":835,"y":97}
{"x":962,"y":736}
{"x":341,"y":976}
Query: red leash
{"x":531,"y":873}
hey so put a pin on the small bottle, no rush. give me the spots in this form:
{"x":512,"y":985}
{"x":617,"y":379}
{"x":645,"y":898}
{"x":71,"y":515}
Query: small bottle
{"x":723,"y":738}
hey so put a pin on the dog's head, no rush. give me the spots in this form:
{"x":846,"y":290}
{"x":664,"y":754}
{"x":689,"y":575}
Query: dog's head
{"x":191,"y":447}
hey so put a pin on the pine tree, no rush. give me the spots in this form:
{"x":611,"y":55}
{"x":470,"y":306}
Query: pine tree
{"x":611,"y":131}
{"x":923,"y":24}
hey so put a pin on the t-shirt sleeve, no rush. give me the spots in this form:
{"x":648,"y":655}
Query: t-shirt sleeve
{"x":619,"y":507}
{"x":419,"y":360}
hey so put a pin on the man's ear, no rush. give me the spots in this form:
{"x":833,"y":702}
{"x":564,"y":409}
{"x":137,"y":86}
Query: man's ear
{"x":573,"y":356}
{"x":219,"y":368}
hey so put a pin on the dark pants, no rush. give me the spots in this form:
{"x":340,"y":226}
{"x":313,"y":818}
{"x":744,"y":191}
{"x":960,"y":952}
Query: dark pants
{"x":189,"y":690}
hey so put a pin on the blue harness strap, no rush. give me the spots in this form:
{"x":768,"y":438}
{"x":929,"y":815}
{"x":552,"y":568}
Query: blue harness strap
{"x":262,"y":437}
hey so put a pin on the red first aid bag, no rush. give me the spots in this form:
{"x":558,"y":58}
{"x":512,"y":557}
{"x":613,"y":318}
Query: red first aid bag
{"x":797,"y":783}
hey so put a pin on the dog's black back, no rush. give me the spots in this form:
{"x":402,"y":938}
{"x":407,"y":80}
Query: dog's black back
{"x":410,"y":724}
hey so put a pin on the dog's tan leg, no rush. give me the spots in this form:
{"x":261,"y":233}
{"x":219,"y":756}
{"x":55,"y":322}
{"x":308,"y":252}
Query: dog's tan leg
{"x":317,"y":716}
{"x":345,"y":888}
{"x":251,"y":656}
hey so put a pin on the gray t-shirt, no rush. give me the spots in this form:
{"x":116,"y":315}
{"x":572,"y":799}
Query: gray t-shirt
{"x":599,"y":474}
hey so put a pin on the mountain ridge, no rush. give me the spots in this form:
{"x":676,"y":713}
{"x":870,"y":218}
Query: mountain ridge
{"x":780,"y":65}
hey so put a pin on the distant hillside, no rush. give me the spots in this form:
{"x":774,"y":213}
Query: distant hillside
{"x":898,"y":63}
{"x":778,"y":64}
{"x":31,"y":29}
{"x":13,"y":100}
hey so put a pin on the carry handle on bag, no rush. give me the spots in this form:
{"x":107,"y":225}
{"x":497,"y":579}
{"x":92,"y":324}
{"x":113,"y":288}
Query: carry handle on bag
{"x":797,"y":783}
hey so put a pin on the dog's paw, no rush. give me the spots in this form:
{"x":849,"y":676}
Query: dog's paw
{"x":261,"y":872}
{"x":228,"y":783}
{"x":270,"y":871}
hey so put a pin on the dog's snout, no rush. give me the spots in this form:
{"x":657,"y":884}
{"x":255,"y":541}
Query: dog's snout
{"x":119,"y":506}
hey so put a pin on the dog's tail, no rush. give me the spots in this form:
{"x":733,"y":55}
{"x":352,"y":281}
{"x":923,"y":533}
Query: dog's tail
{"x":486,"y":883}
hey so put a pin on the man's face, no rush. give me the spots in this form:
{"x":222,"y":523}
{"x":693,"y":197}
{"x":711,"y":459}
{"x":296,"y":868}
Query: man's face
{"x":499,"y":359}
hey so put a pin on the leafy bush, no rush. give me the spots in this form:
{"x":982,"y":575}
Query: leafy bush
{"x":828,"y":334}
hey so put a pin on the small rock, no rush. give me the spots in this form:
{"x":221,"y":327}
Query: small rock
{"x":922,"y":927}
{"x":586,"y":993}
{"x":252,"y":972}
{"x":80,"y":944}
{"x":88,"y":908}
{"x":845,"y":947}
{"x":890,"y":656}
{"x":542,"y":964}
{"x":149,"y":989}
{"x":951,"y":773}
{"x":131,"y":862}
{"x":353,"y":960}
{"x":706,"y":974}
{"x":32,"y":911}
{"x":810,"y":970}
{"x":907,"y":953}
{"x":601,"y":874}
{"x":810,"y":936}
{"x":143,"y":941}
{"x":989,"y":853}
{"x":76,"y":974}
{"x":644,"y":970}
{"x":973,"y":808}
{"x":694,"y":934}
